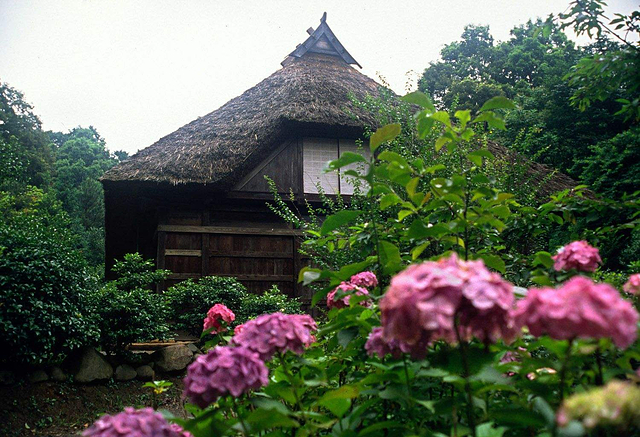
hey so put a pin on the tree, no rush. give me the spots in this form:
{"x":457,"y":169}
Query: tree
{"x":605,"y":74}
{"x":26,"y":156}
{"x":530,"y":68}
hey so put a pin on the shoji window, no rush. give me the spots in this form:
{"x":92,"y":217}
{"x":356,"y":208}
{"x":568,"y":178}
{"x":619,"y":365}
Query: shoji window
{"x":315,"y":154}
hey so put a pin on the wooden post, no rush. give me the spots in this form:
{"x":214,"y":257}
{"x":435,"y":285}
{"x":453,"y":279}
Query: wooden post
{"x":205,"y":244}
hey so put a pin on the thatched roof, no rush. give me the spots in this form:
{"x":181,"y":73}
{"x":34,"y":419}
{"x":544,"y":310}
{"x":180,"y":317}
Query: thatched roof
{"x":228,"y":142}
{"x":312,"y":91}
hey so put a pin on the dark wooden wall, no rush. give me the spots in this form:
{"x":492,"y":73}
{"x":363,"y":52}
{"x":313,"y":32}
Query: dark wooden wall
{"x":249,"y":243}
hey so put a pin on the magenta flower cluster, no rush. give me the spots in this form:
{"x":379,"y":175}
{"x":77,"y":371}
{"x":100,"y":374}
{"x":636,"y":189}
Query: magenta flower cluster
{"x":135,"y":423}
{"x":217,"y":313}
{"x":378,"y":345}
{"x":349,"y":289}
{"x":224,"y":370}
{"x":269,"y":334}
{"x":364,"y":279}
{"x":357,"y":285}
{"x":580,"y":308}
{"x":579,"y":256}
{"x":445,"y":300}
{"x":633,"y":284}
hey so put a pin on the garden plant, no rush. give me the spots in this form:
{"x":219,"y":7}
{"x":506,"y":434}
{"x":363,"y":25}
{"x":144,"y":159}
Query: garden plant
{"x":424,"y":335}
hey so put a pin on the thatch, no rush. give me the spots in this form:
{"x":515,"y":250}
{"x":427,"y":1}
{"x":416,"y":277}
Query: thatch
{"x":222,"y":146}
{"x":541,"y":178}
{"x":314,"y":90}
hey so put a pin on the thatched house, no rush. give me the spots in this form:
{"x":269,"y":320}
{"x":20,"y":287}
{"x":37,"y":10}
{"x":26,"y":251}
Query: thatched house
{"x":195,"y":200}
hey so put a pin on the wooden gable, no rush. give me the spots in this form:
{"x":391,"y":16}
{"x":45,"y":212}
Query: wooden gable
{"x":323,"y":40}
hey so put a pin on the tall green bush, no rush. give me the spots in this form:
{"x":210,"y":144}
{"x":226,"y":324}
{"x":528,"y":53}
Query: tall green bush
{"x":43,"y":311}
{"x":127,"y":309}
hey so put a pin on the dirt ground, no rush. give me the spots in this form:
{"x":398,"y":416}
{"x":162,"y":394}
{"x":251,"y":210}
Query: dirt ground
{"x":65,"y":409}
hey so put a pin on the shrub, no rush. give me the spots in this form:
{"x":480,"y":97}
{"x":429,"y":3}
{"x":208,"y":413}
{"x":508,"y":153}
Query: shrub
{"x":128,"y":311}
{"x":43,"y":313}
{"x":271,"y":301}
{"x":189,"y":301}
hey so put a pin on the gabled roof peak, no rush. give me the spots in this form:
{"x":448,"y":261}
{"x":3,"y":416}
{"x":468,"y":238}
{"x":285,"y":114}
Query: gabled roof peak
{"x":323,"y":40}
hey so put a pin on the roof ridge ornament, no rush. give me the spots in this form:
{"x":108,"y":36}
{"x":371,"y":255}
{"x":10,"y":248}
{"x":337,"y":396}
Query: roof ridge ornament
{"x":323,"y":40}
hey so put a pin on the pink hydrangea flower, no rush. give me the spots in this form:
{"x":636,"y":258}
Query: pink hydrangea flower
{"x":579,"y":256}
{"x":377,"y":345}
{"x":633,"y":284}
{"x":580,"y":308}
{"x":424,"y":301}
{"x":343,"y":302}
{"x":224,"y":370}
{"x":215,"y":314}
{"x":131,"y":422}
{"x":365,"y":280}
{"x":238,"y":329}
{"x":269,"y":334}
{"x":177,"y":428}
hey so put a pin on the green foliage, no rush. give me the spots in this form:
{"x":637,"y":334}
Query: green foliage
{"x":136,"y":272}
{"x":189,"y":301}
{"x":81,"y":158}
{"x":610,"y":74}
{"x":271,"y":301}
{"x":613,"y":168}
{"x":29,"y":157}
{"x":126,"y":309}
{"x":530,"y":68}
{"x":43,"y":312}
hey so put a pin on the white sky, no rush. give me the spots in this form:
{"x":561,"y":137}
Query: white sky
{"x":138,"y":70}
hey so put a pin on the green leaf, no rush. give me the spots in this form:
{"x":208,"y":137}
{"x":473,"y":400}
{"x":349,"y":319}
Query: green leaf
{"x":412,"y":186}
{"x":389,"y":254}
{"x":345,"y":159}
{"x":463,"y":116}
{"x":389,"y":200}
{"x":544,"y":409}
{"x":417,"y":251}
{"x":487,"y":430}
{"x":497,"y":102}
{"x":491,"y":119}
{"x":425,"y":124}
{"x":403,"y":214}
{"x":440,"y":142}
{"x":308,"y":275}
{"x":388,"y":424}
{"x":419,"y":98}
{"x":349,"y":270}
{"x":338,"y":219}
{"x":393,"y":157}
{"x":442,"y":117}
{"x":264,"y":419}
{"x":493,"y":261}
{"x":544,"y":259}
{"x":384,"y":134}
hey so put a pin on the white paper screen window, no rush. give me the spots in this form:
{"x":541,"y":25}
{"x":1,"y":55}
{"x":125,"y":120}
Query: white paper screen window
{"x":315,"y":154}
{"x":346,"y":182}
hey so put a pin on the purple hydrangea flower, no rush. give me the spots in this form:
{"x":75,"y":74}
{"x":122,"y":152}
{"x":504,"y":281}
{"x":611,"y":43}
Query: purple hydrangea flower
{"x":224,"y":370}
{"x":377,"y":345}
{"x":135,"y":423}
{"x":269,"y":334}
